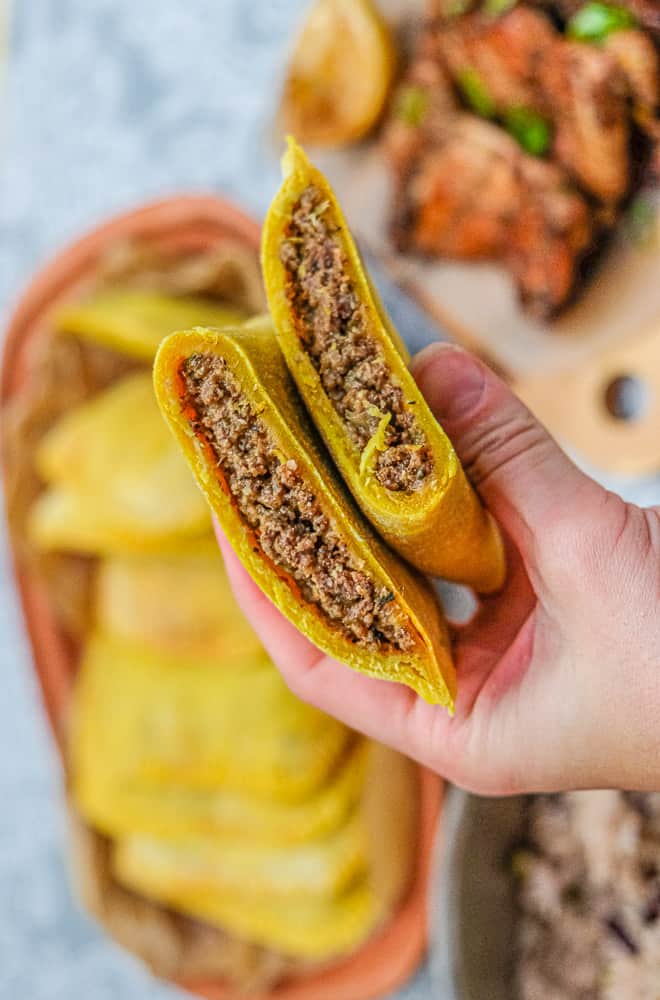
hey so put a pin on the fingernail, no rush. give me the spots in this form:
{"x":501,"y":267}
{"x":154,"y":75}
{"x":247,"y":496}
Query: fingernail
{"x":451,"y":379}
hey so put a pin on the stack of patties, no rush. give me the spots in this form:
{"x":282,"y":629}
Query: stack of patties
{"x":230,"y":800}
{"x":224,"y":827}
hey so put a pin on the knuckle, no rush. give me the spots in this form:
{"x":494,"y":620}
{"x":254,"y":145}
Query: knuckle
{"x":502,"y":445}
{"x":568,"y":547}
{"x":607,"y":540}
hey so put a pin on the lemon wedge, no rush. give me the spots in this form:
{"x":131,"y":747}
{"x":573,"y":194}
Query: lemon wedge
{"x":340,"y":73}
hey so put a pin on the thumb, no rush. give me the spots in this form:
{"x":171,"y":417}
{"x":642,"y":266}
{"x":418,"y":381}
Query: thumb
{"x":520,"y":471}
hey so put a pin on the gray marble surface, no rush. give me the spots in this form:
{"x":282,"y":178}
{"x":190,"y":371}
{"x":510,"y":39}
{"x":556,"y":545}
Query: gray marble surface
{"x":109,"y":102}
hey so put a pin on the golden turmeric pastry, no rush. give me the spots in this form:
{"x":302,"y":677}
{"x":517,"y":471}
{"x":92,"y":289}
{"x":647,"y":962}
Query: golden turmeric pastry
{"x":119,"y":809}
{"x":324,"y":866}
{"x":179,"y":603}
{"x":61,"y":520}
{"x":350,"y":368}
{"x":231,"y":404}
{"x":329,"y":915}
{"x":117,"y":482}
{"x":172,"y":948}
{"x":316,"y":928}
{"x":134,"y":322}
{"x":143,"y":718}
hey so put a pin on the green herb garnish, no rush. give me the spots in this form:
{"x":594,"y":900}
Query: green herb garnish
{"x":411,"y":105}
{"x":454,"y":8}
{"x":316,"y":213}
{"x":529,"y":129}
{"x":496,"y":7}
{"x":476,"y":93}
{"x":595,"y":21}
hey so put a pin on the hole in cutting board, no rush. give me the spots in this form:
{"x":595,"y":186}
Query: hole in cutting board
{"x":626,"y":398}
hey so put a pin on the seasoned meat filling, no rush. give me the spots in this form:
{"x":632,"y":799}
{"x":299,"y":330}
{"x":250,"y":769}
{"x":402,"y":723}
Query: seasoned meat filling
{"x":350,"y":362}
{"x":289,"y":521}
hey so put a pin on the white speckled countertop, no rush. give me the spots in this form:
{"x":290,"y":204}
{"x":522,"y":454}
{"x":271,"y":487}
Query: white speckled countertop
{"x":112,"y":102}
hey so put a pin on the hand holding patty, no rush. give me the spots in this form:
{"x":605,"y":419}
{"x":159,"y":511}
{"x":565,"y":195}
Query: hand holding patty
{"x":559,"y":674}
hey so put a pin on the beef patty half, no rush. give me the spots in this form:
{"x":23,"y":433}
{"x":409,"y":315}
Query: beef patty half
{"x":333,"y":330}
{"x":289,"y":520}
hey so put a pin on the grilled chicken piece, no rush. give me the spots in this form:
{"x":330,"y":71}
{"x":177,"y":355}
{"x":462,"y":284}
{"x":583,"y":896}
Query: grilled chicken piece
{"x":637,"y":57}
{"x":504,"y":53}
{"x":586,"y":92}
{"x":647,"y":12}
{"x":449,"y":9}
{"x":472,"y":193}
{"x":521,"y":60}
{"x":425,"y":98}
{"x":459,"y":196}
{"x":466,"y":190}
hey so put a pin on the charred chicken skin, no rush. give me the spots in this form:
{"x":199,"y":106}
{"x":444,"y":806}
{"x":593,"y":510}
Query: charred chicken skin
{"x":520,"y":60}
{"x":512,"y":139}
{"x":473,"y":194}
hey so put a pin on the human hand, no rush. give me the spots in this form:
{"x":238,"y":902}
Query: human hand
{"x":559,"y":673}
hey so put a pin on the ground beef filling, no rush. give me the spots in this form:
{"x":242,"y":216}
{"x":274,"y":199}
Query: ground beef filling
{"x":292,"y":528}
{"x":350,"y":362}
